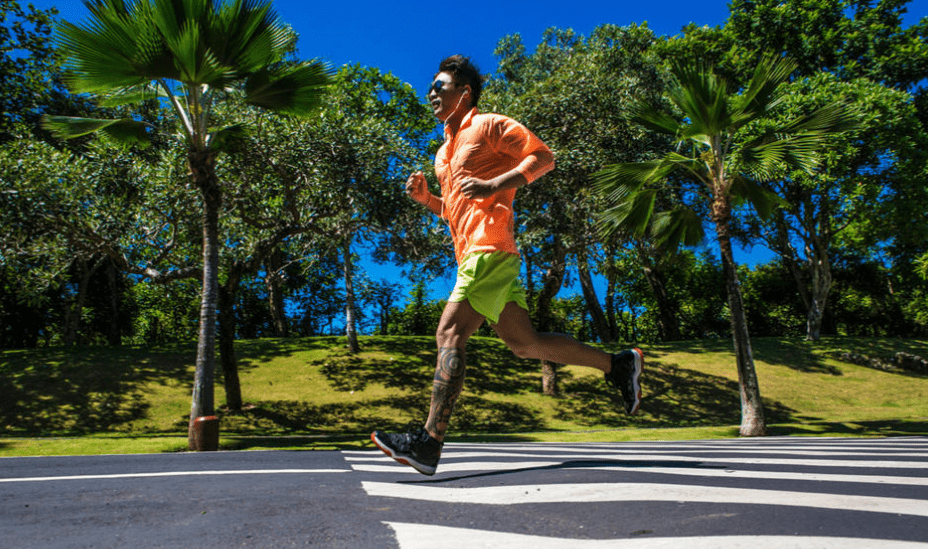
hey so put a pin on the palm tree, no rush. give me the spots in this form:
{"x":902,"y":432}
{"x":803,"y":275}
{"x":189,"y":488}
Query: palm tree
{"x":190,"y":54}
{"x":725,"y":150}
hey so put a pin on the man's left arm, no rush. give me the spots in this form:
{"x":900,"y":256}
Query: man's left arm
{"x":519,"y":142}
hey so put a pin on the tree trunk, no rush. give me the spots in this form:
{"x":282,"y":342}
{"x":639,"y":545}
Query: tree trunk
{"x":667,"y":311}
{"x":551,"y":285}
{"x":204,"y":176}
{"x":752,"y":410}
{"x":611,"y":278}
{"x":820,"y":271}
{"x":814,"y":292}
{"x":114,"y":330}
{"x":73,"y":314}
{"x":350,"y":321}
{"x":227,"y":325}
{"x":275,"y":296}
{"x":600,"y":324}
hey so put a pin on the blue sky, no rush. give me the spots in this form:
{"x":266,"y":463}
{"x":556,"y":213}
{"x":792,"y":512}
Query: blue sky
{"x":410,"y":38}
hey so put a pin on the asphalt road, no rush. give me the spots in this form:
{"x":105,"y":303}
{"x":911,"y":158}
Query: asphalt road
{"x":759,"y":493}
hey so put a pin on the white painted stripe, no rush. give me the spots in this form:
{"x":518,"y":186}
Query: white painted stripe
{"x":494,"y":466}
{"x":822,"y":450}
{"x":461,"y":467}
{"x":423,"y":536}
{"x":645,"y":447}
{"x":772,"y":475}
{"x":602,"y":492}
{"x":179,"y":474}
{"x":862,"y":463}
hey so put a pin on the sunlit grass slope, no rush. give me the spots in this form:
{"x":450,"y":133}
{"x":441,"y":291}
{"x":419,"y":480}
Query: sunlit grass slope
{"x":311,"y":393}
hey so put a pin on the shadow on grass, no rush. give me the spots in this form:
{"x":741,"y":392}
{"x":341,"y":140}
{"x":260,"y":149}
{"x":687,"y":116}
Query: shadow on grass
{"x":82,"y":390}
{"x":672,"y":397}
{"x":887,"y":428}
{"x":491,"y":367}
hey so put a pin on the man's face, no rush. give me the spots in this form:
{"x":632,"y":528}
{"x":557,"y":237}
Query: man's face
{"x":447,"y":98}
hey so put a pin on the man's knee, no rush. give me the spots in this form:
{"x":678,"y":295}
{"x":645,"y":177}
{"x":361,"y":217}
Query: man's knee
{"x":448,"y":336}
{"x":522,"y":349}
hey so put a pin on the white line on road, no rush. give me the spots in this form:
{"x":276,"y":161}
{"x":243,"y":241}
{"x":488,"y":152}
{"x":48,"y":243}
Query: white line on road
{"x":618,"y":458}
{"x":611,"y":492}
{"x":179,"y":474}
{"x":491,"y":467}
{"x":422,"y":536}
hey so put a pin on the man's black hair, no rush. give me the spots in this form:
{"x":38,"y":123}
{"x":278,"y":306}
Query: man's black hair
{"x":465,"y":72}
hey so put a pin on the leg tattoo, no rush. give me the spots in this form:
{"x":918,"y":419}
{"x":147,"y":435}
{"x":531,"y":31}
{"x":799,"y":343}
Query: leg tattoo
{"x":447,"y":386}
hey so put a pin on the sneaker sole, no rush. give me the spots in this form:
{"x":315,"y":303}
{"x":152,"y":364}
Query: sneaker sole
{"x":639,"y":365}
{"x":405,"y":460}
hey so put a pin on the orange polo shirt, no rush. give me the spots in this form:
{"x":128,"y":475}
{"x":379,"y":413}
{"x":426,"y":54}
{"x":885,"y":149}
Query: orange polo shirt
{"x":486,"y":146}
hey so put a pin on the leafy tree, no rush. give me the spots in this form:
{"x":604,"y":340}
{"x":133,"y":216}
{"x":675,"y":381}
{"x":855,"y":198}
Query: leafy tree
{"x":188,"y":52}
{"x":720,"y":171}
{"x":574,"y":93}
{"x":27,"y":62}
{"x":844,"y":202}
{"x":848,"y":38}
{"x":361,"y":150}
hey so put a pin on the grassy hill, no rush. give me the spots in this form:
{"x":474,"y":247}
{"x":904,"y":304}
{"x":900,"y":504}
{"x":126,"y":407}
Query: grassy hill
{"x":310,"y":393}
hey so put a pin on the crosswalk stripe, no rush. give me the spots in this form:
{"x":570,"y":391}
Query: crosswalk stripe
{"x":618,"y":492}
{"x":904,"y":451}
{"x":421,"y":536}
{"x":457,"y":455}
{"x":494,"y":466}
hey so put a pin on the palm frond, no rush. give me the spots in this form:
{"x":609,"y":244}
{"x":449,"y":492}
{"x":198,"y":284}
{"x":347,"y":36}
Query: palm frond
{"x":763,"y":200}
{"x":761,"y":93}
{"x":796,"y":144}
{"x":677,"y":226}
{"x":632,"y":216}
{"x":703,"y":98}
{"x":297,"y":90}
{"x":124,"y":130}
{"x":130,"y":96}
{"x":103,"y":53}
{"x":655,"y":119}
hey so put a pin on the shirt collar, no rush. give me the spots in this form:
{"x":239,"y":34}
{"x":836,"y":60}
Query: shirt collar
{"x":465,"y":122}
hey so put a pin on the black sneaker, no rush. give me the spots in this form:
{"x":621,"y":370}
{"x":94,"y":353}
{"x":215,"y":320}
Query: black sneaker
{"x":417,"y":449}
{"x":626,"y":370}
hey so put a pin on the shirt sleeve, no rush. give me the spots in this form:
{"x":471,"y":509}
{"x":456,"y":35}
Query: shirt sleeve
{"x":517,"y":141}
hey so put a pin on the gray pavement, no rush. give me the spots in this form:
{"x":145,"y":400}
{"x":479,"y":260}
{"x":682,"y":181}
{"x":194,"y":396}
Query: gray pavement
{"x":759,"y":493}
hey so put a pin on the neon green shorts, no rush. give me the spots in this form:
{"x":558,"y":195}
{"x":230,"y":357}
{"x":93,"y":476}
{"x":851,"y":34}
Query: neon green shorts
{"x":488,"y":281}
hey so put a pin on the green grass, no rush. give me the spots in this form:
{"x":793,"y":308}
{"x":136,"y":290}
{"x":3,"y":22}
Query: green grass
{"x":311,"y":394}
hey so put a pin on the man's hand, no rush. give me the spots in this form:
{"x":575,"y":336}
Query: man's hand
{"x":418,"y":189}
{"x":472,"y":187}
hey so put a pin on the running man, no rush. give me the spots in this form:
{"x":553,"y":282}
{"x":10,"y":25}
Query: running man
{"x":484,"y":159}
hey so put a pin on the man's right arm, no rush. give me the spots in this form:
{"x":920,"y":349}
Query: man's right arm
{"x":418,"y":189}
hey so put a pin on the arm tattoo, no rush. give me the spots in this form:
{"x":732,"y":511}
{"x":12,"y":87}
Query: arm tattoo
{"x":446,"y":387}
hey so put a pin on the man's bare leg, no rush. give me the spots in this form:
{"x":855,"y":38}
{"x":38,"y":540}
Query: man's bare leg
{"x":458,"y":322}
{"x":516,"y":330}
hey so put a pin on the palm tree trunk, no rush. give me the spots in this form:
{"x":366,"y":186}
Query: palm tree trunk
{"x":753,"y":423}
{"x":203,"y":405}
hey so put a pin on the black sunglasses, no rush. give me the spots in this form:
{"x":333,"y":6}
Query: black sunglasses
{"x":438,"y":86}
